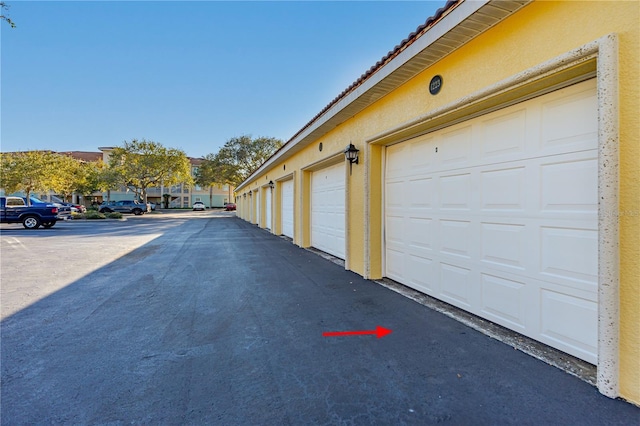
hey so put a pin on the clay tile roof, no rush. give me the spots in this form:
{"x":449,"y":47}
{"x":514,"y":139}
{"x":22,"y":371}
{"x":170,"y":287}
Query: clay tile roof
{"x":83,"y":155}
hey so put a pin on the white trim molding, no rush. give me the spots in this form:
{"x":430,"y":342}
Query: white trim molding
{"x":608,"y":235}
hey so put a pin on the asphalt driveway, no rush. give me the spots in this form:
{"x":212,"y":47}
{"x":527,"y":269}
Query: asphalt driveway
{"x":214,"y":321}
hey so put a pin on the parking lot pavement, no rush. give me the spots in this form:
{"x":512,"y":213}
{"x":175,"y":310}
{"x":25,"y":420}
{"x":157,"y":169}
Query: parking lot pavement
{"x":210,"y":320}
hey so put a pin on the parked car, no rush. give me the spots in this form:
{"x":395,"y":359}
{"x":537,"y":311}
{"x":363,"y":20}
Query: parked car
{"x":153,"y":206}
{"x":229,"y":207}
{"x":75,"y":208}
{"x":124,"y":206}
{"x":16,"y":210}
{"x":199,"y":205}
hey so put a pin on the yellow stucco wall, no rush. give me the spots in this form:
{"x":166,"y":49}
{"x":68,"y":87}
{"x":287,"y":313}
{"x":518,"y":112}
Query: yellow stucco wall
{"x":537,"y":33}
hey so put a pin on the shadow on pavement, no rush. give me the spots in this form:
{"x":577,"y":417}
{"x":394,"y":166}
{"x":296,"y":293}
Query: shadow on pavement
{"x":219,"y":322}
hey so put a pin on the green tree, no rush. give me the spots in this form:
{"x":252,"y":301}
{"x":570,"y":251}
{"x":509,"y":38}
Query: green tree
{"x":30,"y":171}
{"x":144,"y":164}
{"x":209,"y":175}
{"x":241,"y":156}
{"x":96,"y":176}
{"x":3,"y":16}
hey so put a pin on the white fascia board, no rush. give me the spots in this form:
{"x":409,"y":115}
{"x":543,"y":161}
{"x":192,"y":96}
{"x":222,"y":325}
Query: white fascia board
{"x":456,"y":16}
{"x":446,"y":24}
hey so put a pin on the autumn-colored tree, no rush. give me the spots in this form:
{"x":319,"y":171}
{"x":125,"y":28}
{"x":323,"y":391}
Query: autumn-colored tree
{"x":30,"y":171}
{"x":142,"y":164}
{"x":68,"y":176}
{"x":41,"y":171}
{"x":99,"y":177}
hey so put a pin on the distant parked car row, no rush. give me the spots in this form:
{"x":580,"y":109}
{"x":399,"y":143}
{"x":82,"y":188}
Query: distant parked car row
{"x":15,"y":209}
{"x":199,"y":205}
{"x":135,"y":207}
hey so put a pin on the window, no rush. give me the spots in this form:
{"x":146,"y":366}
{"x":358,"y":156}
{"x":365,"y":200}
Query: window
{"x":15,"y":202}
{"x":185,"y":201}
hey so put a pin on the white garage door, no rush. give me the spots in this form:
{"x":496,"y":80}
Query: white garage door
{"x":327,"y":210}
{"x":498,"y":216}
{"x":287,"y":208}
{"x":268,"y":194}
{"x":256,"y":198}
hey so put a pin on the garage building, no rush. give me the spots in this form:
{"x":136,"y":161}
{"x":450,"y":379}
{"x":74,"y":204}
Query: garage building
{"x":498,"y":170}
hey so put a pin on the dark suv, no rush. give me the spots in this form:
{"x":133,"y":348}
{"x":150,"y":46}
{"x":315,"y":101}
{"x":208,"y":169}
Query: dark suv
{"x":124,"y":206}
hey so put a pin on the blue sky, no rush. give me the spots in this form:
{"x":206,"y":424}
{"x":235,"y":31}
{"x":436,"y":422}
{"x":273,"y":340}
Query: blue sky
{"x":79,"y":75}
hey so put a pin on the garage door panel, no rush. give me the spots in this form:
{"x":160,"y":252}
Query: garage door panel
{"x":395,"y":227}
{"x":580,"y":132}
{"x":395,"y":195}
{"x":422,"y":155}
{"x":395,"y":265}
{"x":455,"y":148}
{"x":397,"y":163}
{"x":504,"y":301}
{"x":504,"y":244}
{"x":456,"y":285}
{"x":422,"y":235}
{"x":422,"y":273}
{"x":508,"y":228}
{"x":503,"y":189}
{"x":504,"y":136}
{"x":570,"y":186}
{"x":571,"y":255}
{"x":570,"y":323}
{"x":455,"y":192}
{"x":422,"y":193}
{"x":455,"y":237}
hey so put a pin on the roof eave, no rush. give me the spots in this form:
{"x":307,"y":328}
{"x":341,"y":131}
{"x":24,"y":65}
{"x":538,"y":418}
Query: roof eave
{"x":459,"y":23}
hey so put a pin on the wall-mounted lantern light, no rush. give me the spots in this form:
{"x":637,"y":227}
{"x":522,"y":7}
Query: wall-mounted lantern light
{"x":244,"y":195}
{"x":351,"y":154}
{"x":271,"y":184}
{"x":250,"y":193}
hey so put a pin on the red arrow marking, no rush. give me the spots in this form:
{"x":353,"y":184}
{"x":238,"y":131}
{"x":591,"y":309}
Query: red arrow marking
{"x":379,"y":332}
